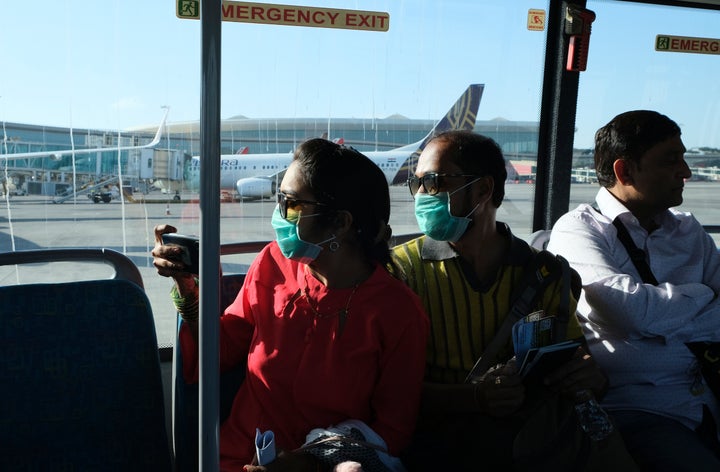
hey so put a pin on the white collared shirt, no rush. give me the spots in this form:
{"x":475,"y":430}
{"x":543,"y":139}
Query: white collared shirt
{"x":637,"y":331}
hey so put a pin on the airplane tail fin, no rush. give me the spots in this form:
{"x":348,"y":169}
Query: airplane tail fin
{"x":158,"y":134}
{"x":461,"y":116}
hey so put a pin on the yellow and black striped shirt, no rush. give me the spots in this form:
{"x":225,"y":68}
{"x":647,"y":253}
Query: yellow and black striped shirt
{"x":464,"y":316}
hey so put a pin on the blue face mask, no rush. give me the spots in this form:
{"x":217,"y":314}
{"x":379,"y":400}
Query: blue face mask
{"x":435,"y":219}
{"x":288,"y":238}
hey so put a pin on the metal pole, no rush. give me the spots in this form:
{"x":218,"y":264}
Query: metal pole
{"x":557,"y":123}
{"x":210,"y":14}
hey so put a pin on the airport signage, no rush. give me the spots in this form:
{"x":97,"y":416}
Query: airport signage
{"x":291,"y":15}
{"x":667,"y":43}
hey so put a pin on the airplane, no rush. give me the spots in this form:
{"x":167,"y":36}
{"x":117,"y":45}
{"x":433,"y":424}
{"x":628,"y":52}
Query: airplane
{"x":57,"y":154}
{"x":257,"y":176}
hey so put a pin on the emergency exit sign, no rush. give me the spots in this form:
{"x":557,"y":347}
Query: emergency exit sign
{"x":667,"y":43}
{"x":291,"y":15}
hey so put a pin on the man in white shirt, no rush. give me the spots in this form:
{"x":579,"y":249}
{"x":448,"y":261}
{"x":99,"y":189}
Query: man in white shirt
{"x":637,"y":330}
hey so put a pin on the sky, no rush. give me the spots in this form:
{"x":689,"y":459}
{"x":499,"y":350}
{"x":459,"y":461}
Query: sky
{"x":113,"y":64}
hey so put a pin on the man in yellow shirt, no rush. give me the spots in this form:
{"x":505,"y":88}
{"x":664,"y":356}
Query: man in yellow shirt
{"x":466,"y":269}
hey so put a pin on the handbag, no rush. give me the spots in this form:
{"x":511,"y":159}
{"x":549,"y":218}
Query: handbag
{"x":706,"y":352}
{"x":351,"y":440}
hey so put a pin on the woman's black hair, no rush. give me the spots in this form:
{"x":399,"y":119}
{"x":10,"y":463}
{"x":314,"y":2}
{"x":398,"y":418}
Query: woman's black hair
{"x":346,"y":179}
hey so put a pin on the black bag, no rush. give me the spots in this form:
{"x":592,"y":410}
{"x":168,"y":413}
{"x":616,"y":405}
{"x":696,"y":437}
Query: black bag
{"x":335,"y":449}
{"x":347,"y":442}
{"x":708,"y":355}
{"x":552,"y":439}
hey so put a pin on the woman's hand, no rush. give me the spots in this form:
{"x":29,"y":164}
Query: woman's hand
{"x":167,"y":259}
{"x":288,"y":462}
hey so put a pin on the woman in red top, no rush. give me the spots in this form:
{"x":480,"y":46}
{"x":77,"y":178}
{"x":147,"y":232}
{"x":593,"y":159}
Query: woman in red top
{"x":327,"y":333}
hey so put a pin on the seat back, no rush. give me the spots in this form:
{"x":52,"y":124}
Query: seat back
{"x":80,"y":375}
{"x":539,"y":239}
{"x":122,"y":266}
{"x":185,"y":396}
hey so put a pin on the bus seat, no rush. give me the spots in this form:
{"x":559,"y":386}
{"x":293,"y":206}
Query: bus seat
{"x":80,"y":375}
{"x":185,"y":396}
{"x":122,"y":266}
{"x":539,"y":239}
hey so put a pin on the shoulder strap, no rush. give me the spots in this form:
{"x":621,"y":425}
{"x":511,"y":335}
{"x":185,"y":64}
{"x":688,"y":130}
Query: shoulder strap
{"x":540,"y":271}
{"x":563,"y":315}
{"x":637,"y":255}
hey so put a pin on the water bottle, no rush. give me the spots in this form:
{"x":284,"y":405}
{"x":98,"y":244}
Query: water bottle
{"x":592,"y":418}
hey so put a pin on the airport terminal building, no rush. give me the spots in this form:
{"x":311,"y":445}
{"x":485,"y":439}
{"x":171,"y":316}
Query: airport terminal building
{"x":51,"y":175}
{"x":284,"y":134}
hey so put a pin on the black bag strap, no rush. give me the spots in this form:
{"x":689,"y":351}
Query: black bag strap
{"x":540,"y":270}
{"x":637,"y":255}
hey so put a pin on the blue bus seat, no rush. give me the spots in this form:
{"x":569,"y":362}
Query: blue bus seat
{"x":185,"y":396}
{"x":80,"y":375}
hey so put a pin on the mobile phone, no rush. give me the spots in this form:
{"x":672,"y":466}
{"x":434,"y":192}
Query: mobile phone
{"x":191,"y":249}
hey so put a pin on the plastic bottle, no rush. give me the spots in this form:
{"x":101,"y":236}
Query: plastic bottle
{"x":591,"y":416}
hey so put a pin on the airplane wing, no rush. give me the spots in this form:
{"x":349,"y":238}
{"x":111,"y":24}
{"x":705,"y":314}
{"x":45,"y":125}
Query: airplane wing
{"x":64,"y":152}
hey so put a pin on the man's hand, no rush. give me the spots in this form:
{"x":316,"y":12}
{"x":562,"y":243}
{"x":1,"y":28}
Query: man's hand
{"x":579,"y":373}
{"x":501,"y":392}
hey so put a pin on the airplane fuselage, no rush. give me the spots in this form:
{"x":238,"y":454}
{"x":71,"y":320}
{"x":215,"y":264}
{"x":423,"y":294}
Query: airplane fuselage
{"x":234,"y":167}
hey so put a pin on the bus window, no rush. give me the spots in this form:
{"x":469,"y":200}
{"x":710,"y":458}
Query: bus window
{"x":114,"y":66}
{"x":665,"y":60}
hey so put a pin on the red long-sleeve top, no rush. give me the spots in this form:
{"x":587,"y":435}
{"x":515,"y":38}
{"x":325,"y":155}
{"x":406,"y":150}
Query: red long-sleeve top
{"x":302,"y":372}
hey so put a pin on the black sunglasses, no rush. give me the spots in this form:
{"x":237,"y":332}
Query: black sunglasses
{"x":431,"y":182}
{"x":290,"y":205}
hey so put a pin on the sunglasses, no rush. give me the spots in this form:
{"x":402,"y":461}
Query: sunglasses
{"x":432,"y":182}
{"x":290,"y":207}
